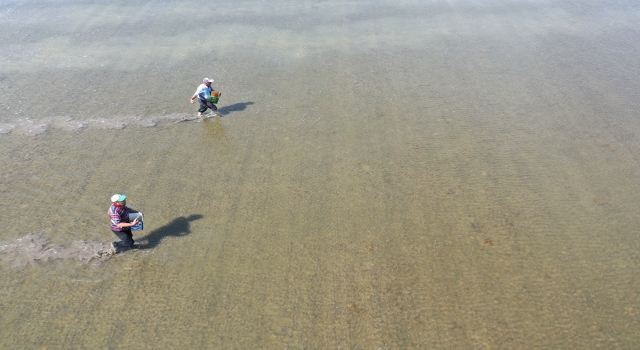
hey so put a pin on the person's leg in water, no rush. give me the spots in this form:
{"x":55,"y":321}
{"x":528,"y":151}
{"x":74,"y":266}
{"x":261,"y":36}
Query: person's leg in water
{"x":126,"y":239}
{"x":207,"y":104}
{"x":203,"y":107}
{"x":213,"y":108}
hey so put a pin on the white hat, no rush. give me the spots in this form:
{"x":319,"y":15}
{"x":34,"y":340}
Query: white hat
{"x":118,"y":198}
{"x":207,"y":80}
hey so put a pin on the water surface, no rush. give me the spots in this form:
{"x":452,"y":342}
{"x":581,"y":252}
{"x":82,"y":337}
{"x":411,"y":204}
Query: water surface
{"x":385,"y":175}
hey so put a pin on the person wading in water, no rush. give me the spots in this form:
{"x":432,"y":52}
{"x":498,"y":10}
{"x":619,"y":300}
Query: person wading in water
{"x":203,"y":93}
{"x":120,"y":225}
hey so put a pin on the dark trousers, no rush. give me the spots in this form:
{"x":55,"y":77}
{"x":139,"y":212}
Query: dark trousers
{"x":206,"y":104}
{"x":126,"y":237}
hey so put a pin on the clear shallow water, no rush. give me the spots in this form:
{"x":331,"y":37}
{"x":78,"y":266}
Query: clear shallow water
{"x":384,"y":175}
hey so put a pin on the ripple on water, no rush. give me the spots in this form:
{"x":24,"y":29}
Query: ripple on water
{"x":37,"y":126}
{"x":34,"y":248}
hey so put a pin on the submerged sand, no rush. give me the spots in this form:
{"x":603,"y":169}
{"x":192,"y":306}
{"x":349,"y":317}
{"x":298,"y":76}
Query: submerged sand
{"x":384,"y":175}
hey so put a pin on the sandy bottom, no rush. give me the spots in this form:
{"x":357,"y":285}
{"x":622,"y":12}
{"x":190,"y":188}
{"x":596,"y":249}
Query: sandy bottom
{"x":446,"y":191}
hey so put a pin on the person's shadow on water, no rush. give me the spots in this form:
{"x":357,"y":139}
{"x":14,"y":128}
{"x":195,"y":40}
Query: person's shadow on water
{"x":236,"y":107}
{"x":177,"y":228}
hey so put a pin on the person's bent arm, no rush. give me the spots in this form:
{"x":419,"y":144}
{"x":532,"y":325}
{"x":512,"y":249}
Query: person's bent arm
{"x":127,"y":224}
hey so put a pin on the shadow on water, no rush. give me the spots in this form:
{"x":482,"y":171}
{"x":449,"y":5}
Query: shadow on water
{"x":237,"y":107}
{"x":177,"y":228}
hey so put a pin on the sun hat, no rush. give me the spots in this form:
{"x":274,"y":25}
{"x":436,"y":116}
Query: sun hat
{"x":118,"y":198}
{"x":207,"y":80}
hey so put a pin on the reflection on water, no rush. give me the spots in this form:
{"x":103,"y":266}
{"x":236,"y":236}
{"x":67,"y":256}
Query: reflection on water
{"x":383,"y":174}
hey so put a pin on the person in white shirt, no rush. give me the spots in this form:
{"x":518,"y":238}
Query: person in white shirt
{"x":203,"y":93}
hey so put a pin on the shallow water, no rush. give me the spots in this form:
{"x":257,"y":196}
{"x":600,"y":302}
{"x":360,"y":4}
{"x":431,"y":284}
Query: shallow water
{"x":384,"y":174}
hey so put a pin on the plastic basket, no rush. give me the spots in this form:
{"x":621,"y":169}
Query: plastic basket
{"x":139,"y":226}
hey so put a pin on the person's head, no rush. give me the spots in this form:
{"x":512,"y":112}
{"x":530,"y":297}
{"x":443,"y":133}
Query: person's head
{"x":207,"y":81}
{"x":119,"y":200}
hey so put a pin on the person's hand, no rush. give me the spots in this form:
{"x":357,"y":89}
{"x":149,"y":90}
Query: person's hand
{"x":191,"y":100}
